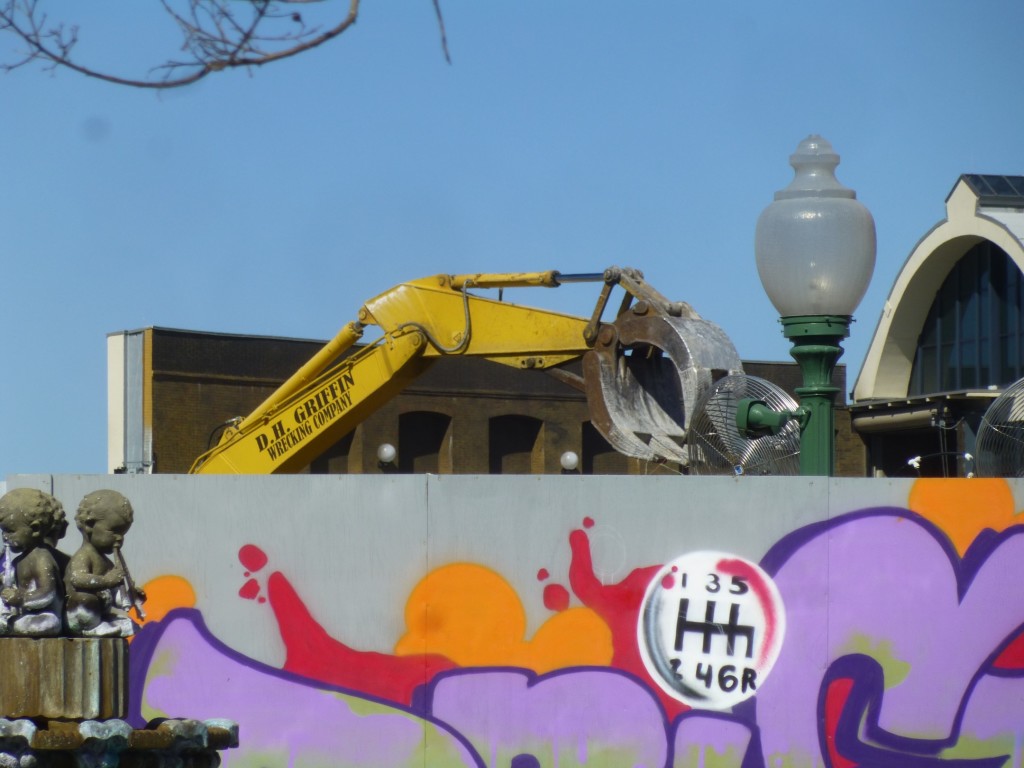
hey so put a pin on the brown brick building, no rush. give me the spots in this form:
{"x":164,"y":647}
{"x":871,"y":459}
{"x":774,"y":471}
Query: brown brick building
{"x":171,"y":392}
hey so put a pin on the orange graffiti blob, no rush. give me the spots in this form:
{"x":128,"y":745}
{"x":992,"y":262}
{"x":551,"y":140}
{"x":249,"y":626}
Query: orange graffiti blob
{"x":471,"y":615}
{"x":963,"y":508}
{"x":165,"y":593}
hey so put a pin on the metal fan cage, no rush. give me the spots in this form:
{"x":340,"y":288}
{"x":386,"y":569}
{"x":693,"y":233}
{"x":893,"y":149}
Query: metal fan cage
{"x":716,"y":447}
{"x":999,"y":449}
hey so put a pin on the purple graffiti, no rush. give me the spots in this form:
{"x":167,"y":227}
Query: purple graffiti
{"x":283,"y":719}
{"x":711,"y":738}
{"x":996,"y":708}
{"x":880,"y":602}
{"x":585,"y":716}
{"x":582,"y":717}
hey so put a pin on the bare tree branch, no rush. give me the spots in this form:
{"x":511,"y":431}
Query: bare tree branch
{"x":440,"y":27}
{"x":215,"y":35}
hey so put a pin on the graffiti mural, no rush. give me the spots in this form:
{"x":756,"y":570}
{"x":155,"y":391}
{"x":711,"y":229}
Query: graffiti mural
{"x":903,"y":646}
{"x":501,"y":623}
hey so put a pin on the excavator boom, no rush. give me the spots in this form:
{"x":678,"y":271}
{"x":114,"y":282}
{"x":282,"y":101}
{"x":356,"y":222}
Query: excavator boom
{"x":642,"y":371}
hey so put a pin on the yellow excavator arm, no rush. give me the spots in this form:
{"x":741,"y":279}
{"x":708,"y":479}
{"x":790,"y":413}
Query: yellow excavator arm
{"x":425,"y":319}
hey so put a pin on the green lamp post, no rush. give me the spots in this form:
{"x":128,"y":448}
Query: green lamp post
{"x":815,"y":250}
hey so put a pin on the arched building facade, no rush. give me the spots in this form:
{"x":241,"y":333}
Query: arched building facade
{"x":950,"y":336}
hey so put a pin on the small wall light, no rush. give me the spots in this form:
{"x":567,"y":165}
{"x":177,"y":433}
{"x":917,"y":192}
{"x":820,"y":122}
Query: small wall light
{"x":570,"y":461}
{"x":386,"y":455}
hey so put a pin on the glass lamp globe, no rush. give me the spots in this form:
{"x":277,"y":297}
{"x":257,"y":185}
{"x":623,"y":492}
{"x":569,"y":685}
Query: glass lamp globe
{"x":815,"y":245}
{"x":386,"y":453}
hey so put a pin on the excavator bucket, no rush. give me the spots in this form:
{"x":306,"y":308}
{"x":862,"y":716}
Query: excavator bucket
{"x":646,"y":373}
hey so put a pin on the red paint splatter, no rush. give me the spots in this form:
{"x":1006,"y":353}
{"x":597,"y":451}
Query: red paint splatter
{"x":261,"y":599}
{"x":588,"y":522}
{"x":542,"y":574}
{"x":668,"y":581}
{"x":835,"y":700}
{"x":732,"y":567}
{"x":556,"y":597}
{"x":252,"y":557}
{"x":249,"y":590}
{"x":619,"y":606}
{"x":311,"y":652}
{"x":1012,"y":657}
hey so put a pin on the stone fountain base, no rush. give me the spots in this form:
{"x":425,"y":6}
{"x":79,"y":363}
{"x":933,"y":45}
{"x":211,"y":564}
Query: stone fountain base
{"x":64,"y":678}
{"x":115,"y":744}
{"x":62,"y":700}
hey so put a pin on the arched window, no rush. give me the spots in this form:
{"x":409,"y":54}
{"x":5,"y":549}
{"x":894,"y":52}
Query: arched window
{"x":423,"y":441}
{"x":516,"y":445}
{"x":333,"y":461}
{"x":972,"y":336}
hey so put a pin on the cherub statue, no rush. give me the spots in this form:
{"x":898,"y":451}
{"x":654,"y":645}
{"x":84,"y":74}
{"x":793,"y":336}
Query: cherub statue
{"x":30,"y":595}
{"x":100,"y":591}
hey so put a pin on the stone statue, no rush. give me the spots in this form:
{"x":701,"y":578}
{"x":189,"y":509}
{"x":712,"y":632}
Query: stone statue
{"x":99,"y":590}
{"x":31,"y":597}
{"x":63,"y":699}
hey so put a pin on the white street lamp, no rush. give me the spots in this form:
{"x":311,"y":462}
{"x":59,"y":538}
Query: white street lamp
{"x":815,"y":250}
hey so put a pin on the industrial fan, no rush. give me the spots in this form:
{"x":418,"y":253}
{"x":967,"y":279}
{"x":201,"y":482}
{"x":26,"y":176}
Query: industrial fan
{"x":999,"y":449}
{"x":715,"y":445}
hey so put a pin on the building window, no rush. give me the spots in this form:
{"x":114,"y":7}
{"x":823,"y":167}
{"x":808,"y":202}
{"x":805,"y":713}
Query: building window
{"x":972,"y":336}
{"x":335,"y":460}
{"x":424,"y":439}
{"x":516,"y":445}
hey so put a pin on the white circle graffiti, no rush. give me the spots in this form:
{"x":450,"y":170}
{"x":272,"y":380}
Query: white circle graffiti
{"x":711,"y":627}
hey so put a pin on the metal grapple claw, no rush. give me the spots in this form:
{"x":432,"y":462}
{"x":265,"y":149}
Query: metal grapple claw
{"x":646,"y":373}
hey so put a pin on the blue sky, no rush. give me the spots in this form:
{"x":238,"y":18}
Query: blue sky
{"x":566,"y":134}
